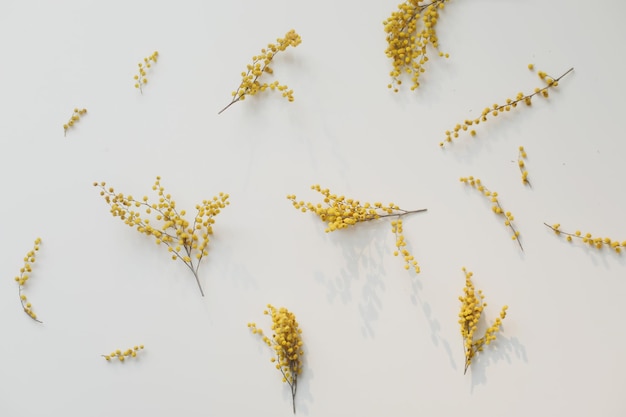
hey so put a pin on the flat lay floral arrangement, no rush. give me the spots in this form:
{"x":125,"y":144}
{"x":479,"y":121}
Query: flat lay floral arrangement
{"x":222,"y":184}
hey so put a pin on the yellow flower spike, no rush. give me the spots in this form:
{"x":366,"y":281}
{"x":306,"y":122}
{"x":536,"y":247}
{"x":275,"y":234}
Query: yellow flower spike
{"x":497,"y":108}
{"x":521,"y":157}
{"x":140,"y":78}
{"x":169,"y":228}
{"x":75,"y":117}
{"x":285,"y":340}
{"x":496,"y":208}
{"x":587,"y":238}
{"x":21,"y":280}
{"x":472,"y":307}
{"x":250,"y":84}
{"x":121,"y":356}
{"x":340,"y":213}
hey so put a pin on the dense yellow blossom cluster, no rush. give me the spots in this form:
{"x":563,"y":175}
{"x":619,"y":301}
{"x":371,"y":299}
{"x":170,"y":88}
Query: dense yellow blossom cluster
{"x":472,"y":306}
{"x":23,"y":277}
{"x":509,"y":104}
{"x":75,"y":118}
{"x":140,"y":78}
{"x":521,"y":157}
{"x":286,"y":342}
{"x":250,"y":84}
{"x":588,"y":238}
{"x":121,"y":356}
{"x":340,"y":212}
{"x":407,"y":44}
{"x":185,"y":240}
{"x":496,"y":207}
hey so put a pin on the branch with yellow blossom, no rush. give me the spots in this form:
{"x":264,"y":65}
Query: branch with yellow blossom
{"x":496,"y":207}
{"x":472,"y":306}
{"x":250,"y":84}
{"x":286,"y":342}
{"x":140,"y":78}
{"x":121,"y":356}
{"x":73,"y":119}
{"x":185,"y":240}
{"x":509,"y":104}
{"x":24,"y":276}
{"x":588,"y":238}
{"x":407,"y":46}
{"x":340,"y":212}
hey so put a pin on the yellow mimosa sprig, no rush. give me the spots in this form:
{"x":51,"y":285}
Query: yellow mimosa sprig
{"x":73,"y":119}
{"x":521,"y":158}
{"x":24,"y":276}
{"x":250,"y":84}
{"x":589,"y":239}
{"x":122,"y":355}
{"x":472,"y":306}
{"x":496,"y":206}
{"x":286,"y":343}
{"x":507,"y":106}
{"x":186,"y":239}
{"x":141,"y":78}
{"x":407,"y":41}
{"x":339,"y":212}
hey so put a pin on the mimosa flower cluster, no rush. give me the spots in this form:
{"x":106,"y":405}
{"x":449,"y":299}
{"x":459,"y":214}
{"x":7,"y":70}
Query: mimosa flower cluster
{"x":496,"y":207}
{"x":250,"y":84}
{"x":185,"y":239}
{"x":588,"y":238}
{"x":521,"y":157}
{"x":340,"y":212}
{"x":286,"y":342}
{"x":75,"y":118}
{"x":407,"y":44}
{"x":509,"y":104}
{"x":140,"y":78}
{"x":121,"y":356}
{"x":472,"y":306}
{"x":24,"y":276}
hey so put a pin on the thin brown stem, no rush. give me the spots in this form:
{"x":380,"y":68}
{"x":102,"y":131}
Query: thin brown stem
{"x":530,"y":96}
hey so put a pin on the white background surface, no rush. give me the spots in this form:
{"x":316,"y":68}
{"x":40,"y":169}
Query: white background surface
{"x":379,"y":341}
